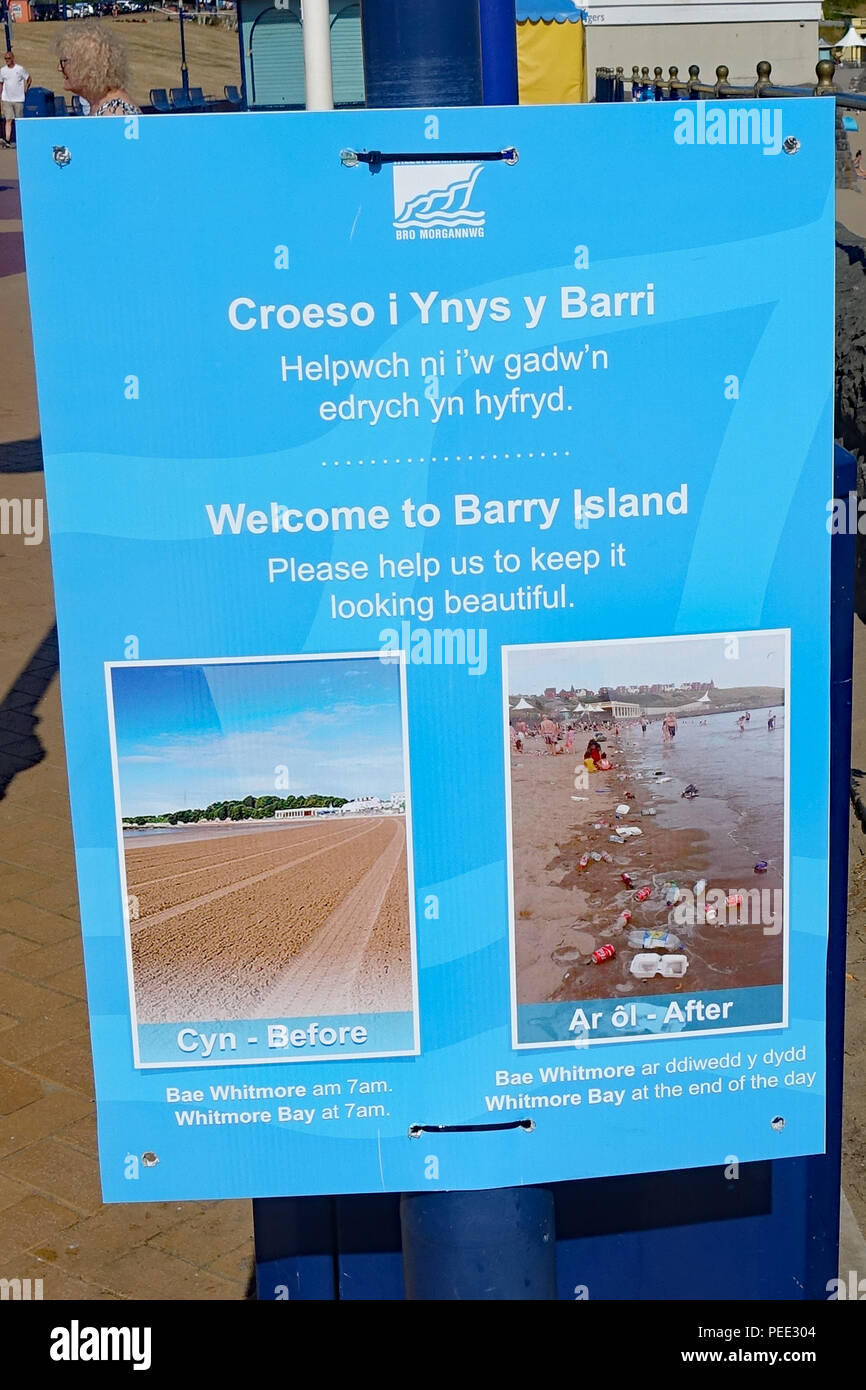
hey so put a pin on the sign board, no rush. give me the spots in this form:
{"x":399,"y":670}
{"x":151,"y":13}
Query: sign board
{"x":703,"y":12}
{"x":442,"y":573}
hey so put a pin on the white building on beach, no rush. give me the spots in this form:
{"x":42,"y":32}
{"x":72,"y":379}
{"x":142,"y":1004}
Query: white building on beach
{"x":739,"y":34}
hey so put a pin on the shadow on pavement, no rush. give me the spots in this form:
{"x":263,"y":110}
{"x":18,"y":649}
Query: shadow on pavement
{"x":21,"y":456}
{"x":20,"y":746}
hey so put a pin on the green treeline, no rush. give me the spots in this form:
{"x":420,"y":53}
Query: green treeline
{"x":251,"y":808}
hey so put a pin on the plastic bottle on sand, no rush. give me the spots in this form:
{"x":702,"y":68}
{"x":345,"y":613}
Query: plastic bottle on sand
{"x":654,"y":940}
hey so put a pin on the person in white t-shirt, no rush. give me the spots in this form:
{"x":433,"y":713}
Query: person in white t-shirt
{"x":14,"y":84}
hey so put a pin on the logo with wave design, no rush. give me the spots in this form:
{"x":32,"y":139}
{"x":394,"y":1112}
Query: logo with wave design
{"x":432,"y":202}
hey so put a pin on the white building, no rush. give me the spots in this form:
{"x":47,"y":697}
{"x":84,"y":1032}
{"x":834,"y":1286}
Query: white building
{"x":739,"y":34}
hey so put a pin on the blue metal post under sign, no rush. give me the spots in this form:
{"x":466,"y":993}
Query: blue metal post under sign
{"x":483,"y":1246}
{"x":499,"y":52}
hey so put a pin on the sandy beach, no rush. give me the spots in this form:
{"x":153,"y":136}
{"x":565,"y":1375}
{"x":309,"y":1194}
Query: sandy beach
{"x":308,"y":919}
{"x":563,"y":912}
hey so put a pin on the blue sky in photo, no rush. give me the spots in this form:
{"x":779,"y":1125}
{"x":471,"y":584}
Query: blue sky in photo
{"x":757,"y":659}
{"x":188,"y":735}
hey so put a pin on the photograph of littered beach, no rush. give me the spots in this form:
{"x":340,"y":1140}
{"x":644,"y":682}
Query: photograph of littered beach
{"x":670,"y":833}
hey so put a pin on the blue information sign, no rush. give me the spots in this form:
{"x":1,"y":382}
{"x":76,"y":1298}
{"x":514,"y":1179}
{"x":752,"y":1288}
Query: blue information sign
{"x":442,"y":560}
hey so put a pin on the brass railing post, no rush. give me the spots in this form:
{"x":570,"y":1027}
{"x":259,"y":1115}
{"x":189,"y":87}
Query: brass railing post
{"x":825,"y":71}
{"x":764,"y":70}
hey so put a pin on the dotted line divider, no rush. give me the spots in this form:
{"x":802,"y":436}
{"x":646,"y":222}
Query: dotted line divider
{"x":444,"y":458}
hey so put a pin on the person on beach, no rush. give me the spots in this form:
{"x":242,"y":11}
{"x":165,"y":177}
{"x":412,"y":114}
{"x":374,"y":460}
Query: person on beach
{"x":669,"y":728}
{"x":95,"y":66}
{"x":593,"y":754}
{"x":516,"y":739}
{"x":771,"y":722}
{"x":550,"y":732}
{"x":643,"y":724}
{"x":741,"y":723}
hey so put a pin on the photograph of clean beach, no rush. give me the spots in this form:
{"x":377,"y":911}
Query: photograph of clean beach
{"x":264,"y":837}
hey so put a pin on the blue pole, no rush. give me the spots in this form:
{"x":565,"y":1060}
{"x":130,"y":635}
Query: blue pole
{"x":421,"y":52}
{"x":497,"y":1245}
{"x":499,"y":52}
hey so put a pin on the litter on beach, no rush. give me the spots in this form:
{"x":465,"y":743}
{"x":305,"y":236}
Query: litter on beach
{"x":606,"y":952}
{"x":627,"y":831}
{"x":650,"y":963}
{"x":623,"y":810}
{"x":653,"y":940}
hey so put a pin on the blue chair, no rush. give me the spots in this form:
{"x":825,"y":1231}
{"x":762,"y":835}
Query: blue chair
{"x":196,"y":99}
{"x":233,"y":97}
{"x":39,"y":101}
{"x":180,"y":99}
{"x":60,"y":105}
{"x":159,"y":101}
{"x":77,"y":108}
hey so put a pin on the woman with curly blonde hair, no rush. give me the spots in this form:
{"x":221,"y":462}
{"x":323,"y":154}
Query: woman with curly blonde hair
{"x":95,"y":66}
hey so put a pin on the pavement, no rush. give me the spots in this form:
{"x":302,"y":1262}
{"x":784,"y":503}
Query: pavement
{"x":53,"y":1225}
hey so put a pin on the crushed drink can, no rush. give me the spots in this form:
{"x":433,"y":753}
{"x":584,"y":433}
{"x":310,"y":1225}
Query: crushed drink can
{"x":642,"y":894}
{"x":606,"y":952}
{"x":627,"y":879}
{"x":608,"y":858}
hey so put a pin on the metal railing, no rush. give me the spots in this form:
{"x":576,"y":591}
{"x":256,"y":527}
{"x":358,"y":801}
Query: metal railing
{"x":611,"y":84}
